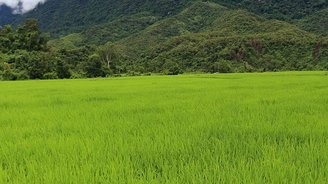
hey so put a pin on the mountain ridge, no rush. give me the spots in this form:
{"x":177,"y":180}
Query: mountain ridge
{"x":61,"y":17}
{"x":198,"y":36}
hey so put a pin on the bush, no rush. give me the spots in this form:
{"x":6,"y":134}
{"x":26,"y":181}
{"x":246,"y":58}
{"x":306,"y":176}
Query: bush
{"x":133,"y":73}
{"x":93,"y":67}
{"x":77,"y":75}
{"x":117,"y":75}
{"x":62,"y":70}
{"x":22,"y":75}
{"x":107,"y":71}
{"x":8,"y":75}
{"x":50,"y":75}
{"x":171,"y":68}
{"x":221,"y":66}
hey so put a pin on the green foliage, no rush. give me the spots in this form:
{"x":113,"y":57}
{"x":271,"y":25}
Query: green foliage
{"x":222,"y":66}
{"x":24,"y":54}
{"x":118,"y":29}
{"x":317,"y":22}
{"x":195,"y":37}
{"x":39,"y":64}
{"x":26,"y":37}
{"x":7,"y":73}
{"x":71,"y":41}
{"x":67,"y":16}
{"x":278,"y":9}
{"x":62,"y":17}
{"x":246,"y":41}
{"x":62,"y":69}
{"x":171,"y":68}
{"x":110,"y":55}
{"x":50,"y":75}
{"x":94,"y":67}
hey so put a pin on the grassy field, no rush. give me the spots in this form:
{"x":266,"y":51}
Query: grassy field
{"x":222,"y":128}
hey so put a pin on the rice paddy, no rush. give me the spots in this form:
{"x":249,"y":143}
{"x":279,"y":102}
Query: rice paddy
{"x":197,"y":128}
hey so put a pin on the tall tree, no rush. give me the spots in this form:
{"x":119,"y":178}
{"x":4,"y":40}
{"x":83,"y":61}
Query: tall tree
{"x":93,"y":67}
{"x":108,"y":54}
{"x":30,"y":36}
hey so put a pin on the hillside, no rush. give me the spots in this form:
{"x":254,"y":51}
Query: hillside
{"x":111,"y":31}
{"x":288,"y":10}
{"x":194,"y":37}
{"x":205,"y":34}
{"x":6,"y":16}
{"x":317,"y":22}
{"x":67,"y":16}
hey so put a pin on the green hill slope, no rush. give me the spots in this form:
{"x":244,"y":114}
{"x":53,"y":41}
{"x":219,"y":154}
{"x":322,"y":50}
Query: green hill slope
{"x":278,"y":9}
{"x":205,"y":34}
{"x":317,"y":22}
{"x":102,"y":33}
{"x":66,"y":16}
{"x":200,"y":41}
{"x":192,"y":37}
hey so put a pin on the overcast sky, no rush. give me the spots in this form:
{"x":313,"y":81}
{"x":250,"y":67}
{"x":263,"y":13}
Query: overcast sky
{"x":27,"y":5}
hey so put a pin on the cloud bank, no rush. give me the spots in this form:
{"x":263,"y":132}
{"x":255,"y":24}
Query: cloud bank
{"x":21,"y":6}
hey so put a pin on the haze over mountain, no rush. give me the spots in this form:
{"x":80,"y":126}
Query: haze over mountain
{"x":21,"y":6}
{"x":6,"y":15}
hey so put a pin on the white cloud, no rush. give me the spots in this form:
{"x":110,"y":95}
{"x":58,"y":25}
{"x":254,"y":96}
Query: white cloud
{"x":21,"y":6}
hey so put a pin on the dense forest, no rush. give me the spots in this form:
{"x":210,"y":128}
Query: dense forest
{"x":168,"y":37}
{"x":25,"y":54}
{"x":67,"y":16}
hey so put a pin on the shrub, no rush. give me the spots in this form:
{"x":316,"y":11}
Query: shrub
{"x":221,"y":66}
{"x":8,"y":75}
{"x":23,"y":75}
{"x":50,"y":75}
{"x":62,"y":70}
{"x":147,"y":74}
{"x":133,"y":73}
{"x":93,"y":67}
{"x":171,"y":68}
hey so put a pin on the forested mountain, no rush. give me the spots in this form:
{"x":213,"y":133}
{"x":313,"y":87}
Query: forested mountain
{"x":207,"y":35}
{"x":67,"y":16}
{"x":6,"y":15}
{"x":92,"y":38}
{"x":279,"y":9}
{"x":316,"y":22}
{"x":64,"y":16}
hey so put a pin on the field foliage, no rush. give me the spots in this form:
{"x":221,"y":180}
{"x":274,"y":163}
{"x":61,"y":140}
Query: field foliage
{"x":219,"y":128}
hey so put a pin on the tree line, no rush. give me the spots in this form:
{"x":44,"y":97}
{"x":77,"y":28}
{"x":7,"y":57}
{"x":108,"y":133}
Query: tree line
{"x":25,"y":54}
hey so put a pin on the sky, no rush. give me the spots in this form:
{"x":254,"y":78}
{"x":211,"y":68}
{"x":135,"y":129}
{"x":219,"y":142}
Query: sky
{"x":26,"y":5}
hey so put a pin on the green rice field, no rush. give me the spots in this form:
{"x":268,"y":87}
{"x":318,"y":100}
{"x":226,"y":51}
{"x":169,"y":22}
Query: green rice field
{"x":196,"y":128}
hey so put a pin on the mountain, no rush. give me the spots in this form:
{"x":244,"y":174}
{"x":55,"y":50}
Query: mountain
{"x":99,"y":38}
{"x":203,"y":33}
{"x":317,"y":22}
{"x":288,"y":10}
{"x":6,"y":16}
{"x":66,"y":16}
